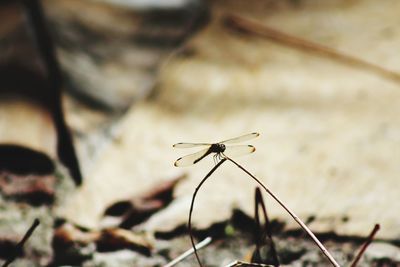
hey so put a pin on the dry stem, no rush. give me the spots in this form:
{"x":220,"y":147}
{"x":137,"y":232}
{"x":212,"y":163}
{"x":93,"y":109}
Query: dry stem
{"x":21,"y":243}
{"x":191,"y":208}
{"x":189,"y":252}
{"x":294,"y":216}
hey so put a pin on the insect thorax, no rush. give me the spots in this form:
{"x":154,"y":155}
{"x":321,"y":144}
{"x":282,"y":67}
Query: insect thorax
{"x":217,"y":148}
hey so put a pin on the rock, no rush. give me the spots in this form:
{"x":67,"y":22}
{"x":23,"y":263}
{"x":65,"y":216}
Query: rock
{"x":124,"y":258}
{"x":382,"y":250}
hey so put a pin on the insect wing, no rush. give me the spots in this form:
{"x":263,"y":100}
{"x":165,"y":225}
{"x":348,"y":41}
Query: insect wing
{"x":190,"y":159}
{"x":189,"y":145}
{"x":234,"y":151}
{"x":241,"y":138}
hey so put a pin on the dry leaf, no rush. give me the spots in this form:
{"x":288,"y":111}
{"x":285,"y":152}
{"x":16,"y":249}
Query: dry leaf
{"x":118,"y":239}
{"x":69,"y":238}
{"x":135,"y":211}
{"x":33,"y":189}
{"x":72,"y":245}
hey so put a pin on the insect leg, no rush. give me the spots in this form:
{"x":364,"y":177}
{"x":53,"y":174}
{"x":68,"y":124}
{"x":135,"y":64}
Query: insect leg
{"x":218,"y":157}
{"x":222,"y":155}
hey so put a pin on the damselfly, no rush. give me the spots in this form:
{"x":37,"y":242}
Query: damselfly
{"x":219,"y":149}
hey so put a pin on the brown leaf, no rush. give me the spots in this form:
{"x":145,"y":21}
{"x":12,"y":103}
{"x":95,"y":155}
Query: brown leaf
{"x":140,"y":208}
{"x":67,"y":235}
{"x":118,"y":239}
{"x":72,"y":245}
{"x":33,"y":189}
{"x":69,"y":241}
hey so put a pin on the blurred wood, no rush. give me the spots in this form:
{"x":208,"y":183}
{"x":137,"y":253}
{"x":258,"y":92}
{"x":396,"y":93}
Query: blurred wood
{"x":249,"y":26}
{"x":37,"y":80}
{"x":9,"y":19}
{"x":65,"y":146}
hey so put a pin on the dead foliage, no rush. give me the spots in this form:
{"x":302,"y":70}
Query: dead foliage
{"x":136,"y":210}
{"x":74,"y":245}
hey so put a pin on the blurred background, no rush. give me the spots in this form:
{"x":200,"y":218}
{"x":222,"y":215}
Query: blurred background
{"x":94,"y":93}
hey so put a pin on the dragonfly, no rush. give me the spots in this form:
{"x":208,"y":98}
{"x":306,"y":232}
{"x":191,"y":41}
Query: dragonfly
{"x":219,"y":150}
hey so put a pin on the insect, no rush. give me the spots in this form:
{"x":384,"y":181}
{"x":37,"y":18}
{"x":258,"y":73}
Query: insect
{"x":220,"y":149}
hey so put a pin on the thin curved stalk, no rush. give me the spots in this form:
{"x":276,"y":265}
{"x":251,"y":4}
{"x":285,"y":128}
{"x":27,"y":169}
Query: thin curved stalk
{"x":294,"y":216}
{"x":192,"y":205}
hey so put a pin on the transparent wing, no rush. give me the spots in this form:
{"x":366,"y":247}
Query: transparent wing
{"x":234,"y":151}
{"x":241,"y":138}
{"x":189,"y":145}
{"x":190,"y":159}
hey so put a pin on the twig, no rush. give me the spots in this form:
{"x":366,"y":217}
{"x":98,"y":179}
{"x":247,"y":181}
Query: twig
{"x":191,"y":208}
{"x":21,"y":243}
{"x":294,"y":216}
{"x":246,"y":264}
{"x":365,"y":245}
{"x":266,"y":232}
{"x":252,"y":27}
{"x":189,"y":252}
